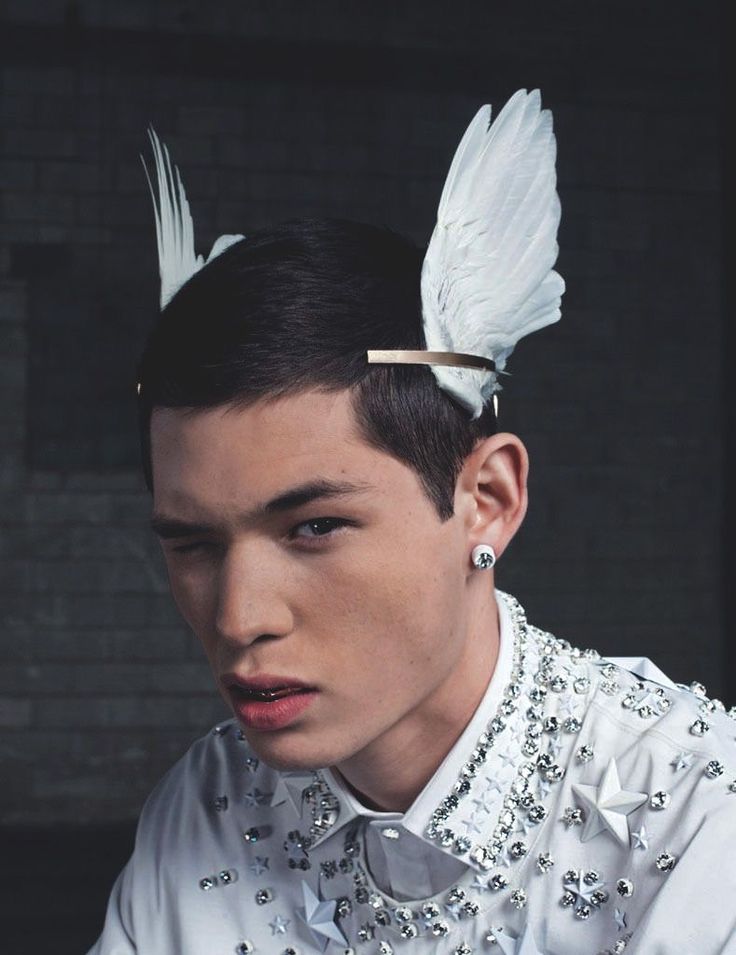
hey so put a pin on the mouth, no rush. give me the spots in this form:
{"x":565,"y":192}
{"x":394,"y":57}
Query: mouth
{"x":268,"y":694}
{"x":268,"y":702}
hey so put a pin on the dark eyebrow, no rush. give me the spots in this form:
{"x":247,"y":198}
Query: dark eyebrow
{"x":167,"y":527}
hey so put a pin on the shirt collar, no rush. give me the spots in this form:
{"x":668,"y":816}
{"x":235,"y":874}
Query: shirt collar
{"x":419,"y":816}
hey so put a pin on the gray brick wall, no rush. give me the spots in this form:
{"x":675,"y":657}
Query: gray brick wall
{"x":274,"y":110}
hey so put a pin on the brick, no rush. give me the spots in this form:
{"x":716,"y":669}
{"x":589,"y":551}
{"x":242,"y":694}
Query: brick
{"x":15,"y":713}
{"x":35,"y":207}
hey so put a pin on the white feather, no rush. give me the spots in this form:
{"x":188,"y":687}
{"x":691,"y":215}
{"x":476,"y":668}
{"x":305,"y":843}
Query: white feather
{"x":487,"y":277}
{"x":177,"y":261}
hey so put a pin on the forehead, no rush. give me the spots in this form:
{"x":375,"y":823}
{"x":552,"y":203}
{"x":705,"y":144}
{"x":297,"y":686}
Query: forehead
{"x":227,"y":454}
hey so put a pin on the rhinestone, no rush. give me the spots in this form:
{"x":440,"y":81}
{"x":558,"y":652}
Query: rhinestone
{"x":518,"y":850}
{"x":585,"y":754}
{"x":447,"y":837}
{"x":699,"y":727}
{"x":572,"y":724}
{"x":625,"y":888}
{"x":382,"y":917}
{"x":385,"y":948}
{"x":375,"y":901}
{"x":329,"y":869}
{"x":440,"y":929}
{"x":660,"y":799}
{"x":471,"y":908}
{"x":245,"y":948}
{"x":462,"y":844}
{"x":209,"y":882}
{"x":609,"y":687}
{"x":544,"y":862}
{"x":619,"y":946}
{"x":581,"y":685}
{"x":219,"y":730}
{"x":665,"y":862}
{"x":403,"y":914}
{"x":497,"y":725}
{"x":698,"y":689}
{"x":251,"y":835}
{"x":361,"y":894}
{"x":583,"y":912}
{"x":498,"y":881}
{"x":567,"y":899}
{"x":591,"y":877}
{"x":732,"y":786}
{"x":366,"y":932}
{"x":409,"y":931}
{"x":345,"y":865}
{"x":557,"y":684}
{"x":714,"y":769}
{"x":263,"y":896}
{"x":599,"y":897}
{"x":431,"y":910}
{"x":481,"y":857}
{"x":552,"y":724}
{"x":518,"y":898}
{"x":570,"y":875}
{"x":344,"y":907}
{"x":290,"y":951}
{"x":537,"y":813}
{"x":463,"y":949}
{"x":572,"y":817}
{"x":227,"y":876}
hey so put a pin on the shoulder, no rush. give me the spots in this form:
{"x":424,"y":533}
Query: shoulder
{"x":219,"y":783}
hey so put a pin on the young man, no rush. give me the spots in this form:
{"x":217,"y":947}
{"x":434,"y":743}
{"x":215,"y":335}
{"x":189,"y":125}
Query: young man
{"x":411,"y":767}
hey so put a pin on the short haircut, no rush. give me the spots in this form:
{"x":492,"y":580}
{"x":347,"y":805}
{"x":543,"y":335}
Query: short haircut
{"x":295,"y":307}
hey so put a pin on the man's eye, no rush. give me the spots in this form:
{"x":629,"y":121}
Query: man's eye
{"x":320,"y":527}
{"x":190,"y":548}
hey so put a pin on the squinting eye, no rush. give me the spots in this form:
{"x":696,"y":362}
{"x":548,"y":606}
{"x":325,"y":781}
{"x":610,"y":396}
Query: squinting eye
{"x":320,"y":527}
{"x":189,"y":548}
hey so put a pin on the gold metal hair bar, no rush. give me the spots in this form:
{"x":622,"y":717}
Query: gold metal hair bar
{"x":405,"y":356}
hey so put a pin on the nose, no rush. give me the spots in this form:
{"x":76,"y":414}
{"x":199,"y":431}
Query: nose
{"x":251,"y":602}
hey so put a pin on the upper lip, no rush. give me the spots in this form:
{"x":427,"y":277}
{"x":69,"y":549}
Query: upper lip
{"x":263,"y":681}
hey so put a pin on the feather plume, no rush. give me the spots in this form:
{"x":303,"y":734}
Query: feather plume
{"x":177,"y":261}
{"x":487,"y":277}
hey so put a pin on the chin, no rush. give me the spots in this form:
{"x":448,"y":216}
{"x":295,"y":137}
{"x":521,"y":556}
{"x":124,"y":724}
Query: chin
{"x":294,"y":751}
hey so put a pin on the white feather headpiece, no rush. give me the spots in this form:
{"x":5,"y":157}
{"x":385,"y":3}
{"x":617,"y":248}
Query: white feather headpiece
{"x":487,"y":277}
{"x":177,"y":261}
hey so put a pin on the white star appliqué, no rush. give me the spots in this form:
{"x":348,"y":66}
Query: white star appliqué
{"x":319,"y":916}
{"x":523,"y":945}
{"x":682,"y":761}
{"x":639,"y":839}
{"x":290,"y":788}
{"x":607,"y":806}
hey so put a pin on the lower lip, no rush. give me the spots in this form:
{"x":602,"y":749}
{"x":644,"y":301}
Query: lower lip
{"x":274,"y":715}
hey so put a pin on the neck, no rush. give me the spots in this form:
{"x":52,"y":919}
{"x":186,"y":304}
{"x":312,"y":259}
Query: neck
{"x":392,"y":770}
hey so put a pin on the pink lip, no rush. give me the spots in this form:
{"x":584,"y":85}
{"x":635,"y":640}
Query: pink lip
{"x":273,"y":714}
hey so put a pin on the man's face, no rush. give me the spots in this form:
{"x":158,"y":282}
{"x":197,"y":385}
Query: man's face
{"x":356,"y":594}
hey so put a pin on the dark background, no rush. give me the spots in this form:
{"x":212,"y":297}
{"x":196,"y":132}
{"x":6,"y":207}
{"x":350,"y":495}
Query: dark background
{"x":279,"y":109}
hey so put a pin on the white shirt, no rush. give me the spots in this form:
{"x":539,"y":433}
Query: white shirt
{"x":582,"y":810}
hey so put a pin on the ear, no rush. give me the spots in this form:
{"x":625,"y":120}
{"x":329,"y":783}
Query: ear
{"x":491,"y":492}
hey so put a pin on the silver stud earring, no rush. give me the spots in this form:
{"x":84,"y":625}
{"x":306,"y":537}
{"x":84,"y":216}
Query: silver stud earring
{"x":483,"y":556}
